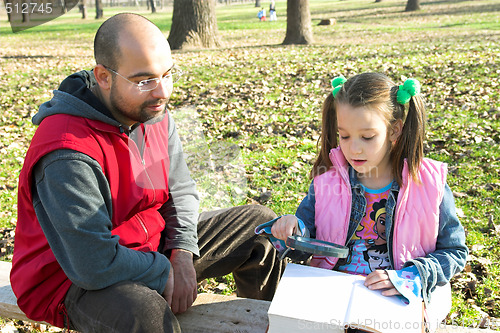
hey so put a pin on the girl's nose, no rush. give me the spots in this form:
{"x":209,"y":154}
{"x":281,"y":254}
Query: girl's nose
{"x":356,"y":147}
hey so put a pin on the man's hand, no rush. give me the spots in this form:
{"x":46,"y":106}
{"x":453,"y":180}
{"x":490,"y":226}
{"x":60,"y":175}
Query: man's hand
{"x":169,"y":287}
{"x":380,"y":280}
{"x":185,"y":286}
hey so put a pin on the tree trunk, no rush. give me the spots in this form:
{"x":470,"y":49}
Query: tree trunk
{"x":412,"y":5}
{"x":98,"y":9}
{"x":298,"y":23}
{"x":152,"y":4}
{"x":9,"y":17}
{"x":26,"y":13}
{"x":83,"y":9}
{"x":257,"y":3}
{"x":63,"y":6}
{"x":194,"y":24}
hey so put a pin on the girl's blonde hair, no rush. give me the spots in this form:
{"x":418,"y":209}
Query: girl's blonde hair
{"x":376,"y":91}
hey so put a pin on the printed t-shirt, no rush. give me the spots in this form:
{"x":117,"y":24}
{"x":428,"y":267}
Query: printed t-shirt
{"x":368,"y":245}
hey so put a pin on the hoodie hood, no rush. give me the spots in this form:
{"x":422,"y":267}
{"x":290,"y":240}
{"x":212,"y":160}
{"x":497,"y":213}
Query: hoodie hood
{"x":75,"y":98}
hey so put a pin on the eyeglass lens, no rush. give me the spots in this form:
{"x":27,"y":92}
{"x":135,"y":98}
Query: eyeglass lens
{"x":148,"y":85}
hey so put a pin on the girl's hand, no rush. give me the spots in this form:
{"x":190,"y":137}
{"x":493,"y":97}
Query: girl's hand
{"x":380,"y":280}
{"x":284,"y":227}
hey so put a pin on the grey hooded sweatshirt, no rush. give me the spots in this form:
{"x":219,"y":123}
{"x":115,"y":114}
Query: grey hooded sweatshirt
{"x":81,"y":239}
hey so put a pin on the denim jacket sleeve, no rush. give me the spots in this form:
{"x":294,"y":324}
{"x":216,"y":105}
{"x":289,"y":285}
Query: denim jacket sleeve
{"x":306,"y":211}
{"x":450,"y":256}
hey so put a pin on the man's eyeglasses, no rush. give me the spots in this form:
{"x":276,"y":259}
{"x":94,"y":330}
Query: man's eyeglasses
{"x":150,"y":84}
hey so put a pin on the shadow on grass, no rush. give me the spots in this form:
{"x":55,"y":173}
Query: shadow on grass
{"x":445,"y":40}
{"x":389,"y":11}
{"x":28,"y":57}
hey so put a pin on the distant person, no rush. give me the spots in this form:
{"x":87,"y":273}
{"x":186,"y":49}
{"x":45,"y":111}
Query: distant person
{"x":371,"y":153}
{"x":262,"y":14}
{"x":272,"y":11}
{"x":108,"y":236}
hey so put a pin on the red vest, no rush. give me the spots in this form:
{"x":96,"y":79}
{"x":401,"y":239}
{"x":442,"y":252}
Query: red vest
{"x":138,"y":186}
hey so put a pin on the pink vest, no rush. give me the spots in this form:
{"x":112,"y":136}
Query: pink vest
{"x":416,"y":217}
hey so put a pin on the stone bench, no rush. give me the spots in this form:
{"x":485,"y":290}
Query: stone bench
{"x":210,"y":313}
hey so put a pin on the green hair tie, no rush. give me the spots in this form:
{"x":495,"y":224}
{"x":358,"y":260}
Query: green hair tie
{"x":337,"y":84}
{"x":407,"y":90}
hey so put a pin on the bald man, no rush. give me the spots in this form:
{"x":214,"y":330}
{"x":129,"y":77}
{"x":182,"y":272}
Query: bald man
{"x":108,"y":237}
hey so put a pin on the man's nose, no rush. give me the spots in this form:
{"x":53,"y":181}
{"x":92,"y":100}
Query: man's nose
{"x":163,"y":90}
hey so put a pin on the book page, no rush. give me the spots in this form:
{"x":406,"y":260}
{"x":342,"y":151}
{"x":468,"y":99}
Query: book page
{"x":311,"y":299}
{"x":370,"y":309}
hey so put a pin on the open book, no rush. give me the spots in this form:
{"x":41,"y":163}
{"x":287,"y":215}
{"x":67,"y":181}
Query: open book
{"x":310,"y":299}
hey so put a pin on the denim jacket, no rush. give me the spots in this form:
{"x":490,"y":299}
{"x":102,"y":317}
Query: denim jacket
{"x":436,"y":268}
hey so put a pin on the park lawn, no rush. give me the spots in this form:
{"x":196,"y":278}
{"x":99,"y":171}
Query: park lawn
{"x":253,"y":106}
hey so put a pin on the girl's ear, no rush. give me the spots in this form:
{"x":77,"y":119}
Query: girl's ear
{"x":103,"y":77}
{"x":395,"y":130}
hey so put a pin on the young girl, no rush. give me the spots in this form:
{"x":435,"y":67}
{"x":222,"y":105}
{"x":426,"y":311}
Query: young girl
{"x":373,"y":192}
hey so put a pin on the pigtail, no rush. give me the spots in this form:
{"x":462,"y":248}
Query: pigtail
{"x":328,"y":138}
{"x":410,"y":145}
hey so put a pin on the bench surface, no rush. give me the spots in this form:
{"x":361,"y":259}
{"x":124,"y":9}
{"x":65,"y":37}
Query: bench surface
{"x":8,"y":301}
{"x":210,"y":313}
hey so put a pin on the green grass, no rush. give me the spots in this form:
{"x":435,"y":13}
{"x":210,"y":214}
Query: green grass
{"x":265,"y":99}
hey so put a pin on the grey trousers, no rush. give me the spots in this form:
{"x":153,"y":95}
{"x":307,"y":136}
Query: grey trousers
{"x":227,"y":243}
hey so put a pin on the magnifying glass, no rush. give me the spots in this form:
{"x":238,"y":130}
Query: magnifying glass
{"x":318,"y":247}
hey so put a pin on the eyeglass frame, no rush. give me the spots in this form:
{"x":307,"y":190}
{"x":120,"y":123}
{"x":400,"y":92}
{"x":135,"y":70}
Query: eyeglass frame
{"x":157,"y":80}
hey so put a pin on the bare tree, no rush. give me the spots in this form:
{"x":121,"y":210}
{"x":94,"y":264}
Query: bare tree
{"x":9,"y":17}
{"x":412,"y":5}
{"x":152,"y":5}
{"x":194,"y":24}
{"x":298,"y":23}
{"x":26,"y":13}
{"x":63,"y":6}
{"x":98,"y":9}
{"x":83,"y":9}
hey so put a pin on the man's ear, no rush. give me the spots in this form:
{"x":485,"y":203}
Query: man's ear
{"x":395,"y":130}
{"x":103,"y":77}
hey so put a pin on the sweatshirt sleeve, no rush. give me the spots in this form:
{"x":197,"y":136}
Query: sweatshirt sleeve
{"x":72,"y":202}
{"x":181,"y":210}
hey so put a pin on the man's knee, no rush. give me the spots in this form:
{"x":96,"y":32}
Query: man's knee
{"x":261,"y":213}
{"x":126,"y":306}
{"x":149,"y":312}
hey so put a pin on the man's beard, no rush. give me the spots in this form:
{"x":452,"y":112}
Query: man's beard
{"x":143,"y":115}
